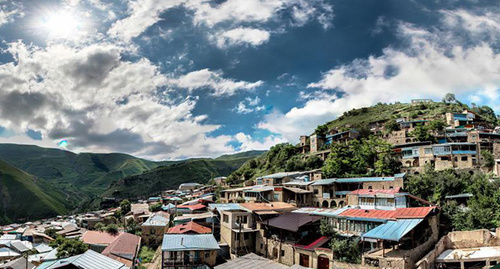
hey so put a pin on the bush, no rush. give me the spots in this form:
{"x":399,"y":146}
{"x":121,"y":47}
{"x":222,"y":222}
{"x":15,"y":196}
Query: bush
{"x":146,"y":254}
{"x":67,"y":247}
{"x":346,"y":250}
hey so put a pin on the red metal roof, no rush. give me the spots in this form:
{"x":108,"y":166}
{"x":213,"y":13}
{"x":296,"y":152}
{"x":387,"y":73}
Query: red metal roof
{"x":375,"y":191}
{"x":369,"y":213}
{"x":414,"y":212}
{"x":192,"y":207}
{"x":190,"y":227}
{"x":400,"y":213}
{"x":316,"y":243}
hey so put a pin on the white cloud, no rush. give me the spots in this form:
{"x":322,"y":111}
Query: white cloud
{"x":9,"y":12}
{"x":214,"y":80}
{"x":100,"y":102}
{"x":249,"y":105}
{"x":142,"y":15}
{"x":241,"y":36}
{"x":248,"y":143}
{"x":428,"y":68}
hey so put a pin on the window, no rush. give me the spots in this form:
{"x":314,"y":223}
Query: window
{"x":464,"y":158}
{"x":225,"y":218}
{"x":370,"y":187}
{"x":261,"y":246}
{"x":246,"y":236}
{"x":207,"y":254}
{"x":428,"y":151}
{"x":315,"y":191}
{"x":282,"y":253}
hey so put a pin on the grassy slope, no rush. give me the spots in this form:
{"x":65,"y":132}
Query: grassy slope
{"x":165,"y":177}
{"x":361,"y":117}
{"x":384,"y":112}
{"x":27,"y":197}
{"x":82,"y":175}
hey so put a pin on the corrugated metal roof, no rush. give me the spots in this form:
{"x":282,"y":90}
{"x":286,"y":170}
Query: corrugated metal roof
{"x":393,"y":230}
{"x":93,"y":260}
{"x":224,"y":207}
{"x":251,"y":261}
{"x":375,"y":191}
{"x":156,"y":220}
{"x":291,"y":221}
{"x":327,"y":181}
{"x":364,"y":179}
{"x":182,"y":242}
{"x":297,"y":190}
{"x":298,"y":183}
{"x":327,"y":212}
{"x":399,"y":213}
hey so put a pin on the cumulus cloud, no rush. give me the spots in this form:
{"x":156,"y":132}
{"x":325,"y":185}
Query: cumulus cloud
{"x":100,"y":102}
{"x":249,"y":105}
{"x":241,"y":36}
{"x":213,"y":80}
{"x":248,"y":143}
{"x":434,"y":63}
{"x":9,"y":12}
{"x":142,"y":15}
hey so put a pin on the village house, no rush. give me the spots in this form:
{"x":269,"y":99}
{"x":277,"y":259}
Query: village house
{"x":314,"y":252}
{"x":98,"y":241}
{"x":237,"y":229}
{"x":189,"y":228}
{"x":277,"y":236}
{"x":87,"y":260}
{"x":186,"y":251}
{"x":464,"y":249}
{"x":442,"y":156}
{"x":153,"y":229}
{"x":332,"y":192}
{"x":125,"y":249}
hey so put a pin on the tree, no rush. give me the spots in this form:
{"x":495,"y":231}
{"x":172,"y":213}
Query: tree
{"x":422,"y":133}
{"x":51,"y":232}
{"x":391,"y":126}
{"x":326,"y":229}
{"x":346,"y":250}
{"x":155,"y":207}
{"x":449,"y":98}
{"x":125,"y":206}
{"x":488,"y":158}
{"x":67,"y":247}
{"x":112,"y":229}
{"x":321,"y":130}
{"x":437,"y":125}
{"x":99,"y":226}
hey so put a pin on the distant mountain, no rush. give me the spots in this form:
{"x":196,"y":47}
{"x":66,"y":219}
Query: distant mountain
{"x":26,"y":197}
{"x":85,"y":177}
{"x":82,"y":175}
{"x":167,"y":177}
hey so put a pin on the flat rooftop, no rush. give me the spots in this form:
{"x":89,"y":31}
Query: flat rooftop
{"x":469,"y":254}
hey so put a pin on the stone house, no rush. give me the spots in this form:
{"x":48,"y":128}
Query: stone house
{"x":188,"y":251}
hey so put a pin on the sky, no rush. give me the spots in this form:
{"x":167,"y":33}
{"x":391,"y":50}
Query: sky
{"x":174,"y":79}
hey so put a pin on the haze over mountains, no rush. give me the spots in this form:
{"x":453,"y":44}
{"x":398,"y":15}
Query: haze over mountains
{"x":58,"y":181}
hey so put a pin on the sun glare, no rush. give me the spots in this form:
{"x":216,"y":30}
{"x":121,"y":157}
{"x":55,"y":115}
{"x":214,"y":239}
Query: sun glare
{"x":62,"y":25}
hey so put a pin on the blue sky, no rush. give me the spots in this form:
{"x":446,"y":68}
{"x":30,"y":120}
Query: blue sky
{"x":174,"y":79}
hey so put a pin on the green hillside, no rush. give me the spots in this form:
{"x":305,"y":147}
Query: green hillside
{"x":365,"y":156}
{"x":168,"y":177}
{"x":362,"y":117}
{"x":25,"y":197}
{"x":82,"y":175}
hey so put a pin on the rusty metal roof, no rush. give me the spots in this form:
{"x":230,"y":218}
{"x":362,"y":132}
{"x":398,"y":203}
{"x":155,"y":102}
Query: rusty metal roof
{"x":292,"y":221}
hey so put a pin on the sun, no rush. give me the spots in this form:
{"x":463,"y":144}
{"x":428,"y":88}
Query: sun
{"x":62,"y":25}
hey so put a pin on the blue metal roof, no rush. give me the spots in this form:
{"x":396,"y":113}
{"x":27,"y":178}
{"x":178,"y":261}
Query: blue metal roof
{"x":366,"y":219}
{"x":182,"y":242}
{"x":464,"y":152}
{"x":393,"y":230}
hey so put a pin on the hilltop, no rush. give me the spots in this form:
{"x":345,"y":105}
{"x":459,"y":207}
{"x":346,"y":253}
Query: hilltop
{"x":85,"y":177}
{"x":167,"y":177}
{"x":26,"y":197}
{"x":370,"y":150}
